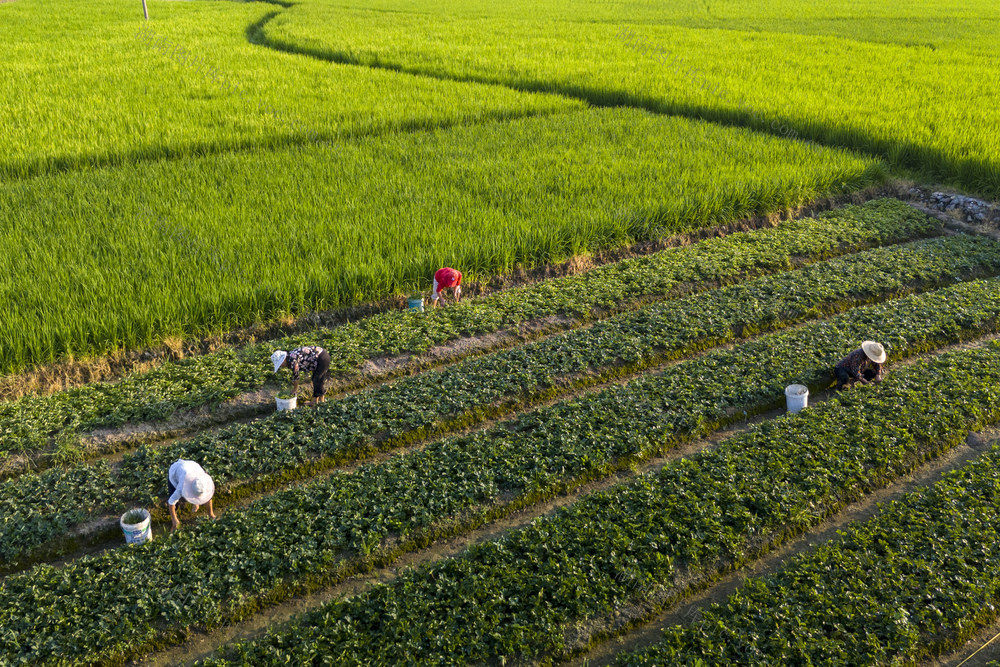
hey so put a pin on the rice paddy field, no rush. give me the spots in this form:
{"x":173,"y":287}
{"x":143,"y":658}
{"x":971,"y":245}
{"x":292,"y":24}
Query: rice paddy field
{"x":666,"y":213}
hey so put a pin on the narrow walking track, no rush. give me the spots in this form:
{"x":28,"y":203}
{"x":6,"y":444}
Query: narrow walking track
{"x":650,"y":633}
{"x":202,"y":644}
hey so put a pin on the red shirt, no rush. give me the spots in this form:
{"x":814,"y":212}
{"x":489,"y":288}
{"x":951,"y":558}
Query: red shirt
{"x":447,"y":277}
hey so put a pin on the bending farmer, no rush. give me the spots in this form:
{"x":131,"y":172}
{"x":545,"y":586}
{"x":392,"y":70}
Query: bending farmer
{"x":311,"y":358}
{"x":443,"y":279}
{"x":865,"y":365}
{"x":188,"y":480}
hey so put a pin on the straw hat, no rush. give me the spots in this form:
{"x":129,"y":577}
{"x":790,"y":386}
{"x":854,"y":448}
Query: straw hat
{"x":199,"y":490}
{"x":278,"y":358}
{"x":874,"y":351}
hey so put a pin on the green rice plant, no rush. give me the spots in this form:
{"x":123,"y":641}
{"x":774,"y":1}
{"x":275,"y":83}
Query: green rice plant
{"x":109,"y":262}
{"x":95,"y":84}
{"x":28,"y":424}
{"x":915,"y":91}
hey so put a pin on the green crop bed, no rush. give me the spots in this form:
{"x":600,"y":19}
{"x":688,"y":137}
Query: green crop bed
{"x":121,"y":601}
{"x":259,"y":455}
{"x":523,"y":595}
{"x":775,"y":66}
{"x":29,"y":425}
{"x":913,"y":583}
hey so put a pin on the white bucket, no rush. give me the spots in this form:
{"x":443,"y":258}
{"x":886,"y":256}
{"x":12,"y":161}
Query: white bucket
{"x":286,"y":403}
{"x":137,"y":533}
{"x":796,"y":397}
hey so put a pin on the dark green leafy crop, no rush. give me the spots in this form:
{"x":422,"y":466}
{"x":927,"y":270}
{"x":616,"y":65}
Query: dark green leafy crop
{"x":781,"y":474}
{"x":30,"y":424}
{"x":274,"y":449}
{"x":517,"y":597}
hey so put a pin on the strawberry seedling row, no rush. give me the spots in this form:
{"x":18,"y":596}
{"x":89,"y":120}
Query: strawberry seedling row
{"x":258,"y":456}
{"x":117,"y":604}
{"x":540,"y":592}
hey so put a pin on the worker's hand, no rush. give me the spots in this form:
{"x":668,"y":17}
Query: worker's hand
{"x":177,"y":524}
{"x":212,"y":514}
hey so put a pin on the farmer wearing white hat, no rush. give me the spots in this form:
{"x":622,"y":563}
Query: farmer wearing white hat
{"x":188,"y":480}
{"x":310,"y":358}
{"x":864,"y":365}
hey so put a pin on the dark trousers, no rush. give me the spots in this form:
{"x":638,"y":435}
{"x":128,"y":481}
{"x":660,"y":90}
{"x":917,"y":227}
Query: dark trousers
{"x":844,"y":378}
{"x":321,"y":373}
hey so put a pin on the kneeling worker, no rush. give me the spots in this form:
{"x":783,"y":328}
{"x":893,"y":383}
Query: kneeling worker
{"x":188,"y":480}
{"x":311,"y":358}
{"x":443,"y":279}
{"x":864,"y":365}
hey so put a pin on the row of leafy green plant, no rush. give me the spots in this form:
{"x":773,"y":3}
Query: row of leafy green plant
{"x":257,"y":456}
{"x":554,"y":586}
{"x":915,"y":582}
{"x":124,"y":601}
{"x":31,"y":424}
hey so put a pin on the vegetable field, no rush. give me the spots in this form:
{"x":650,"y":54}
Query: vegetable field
{"x":665,"y":215}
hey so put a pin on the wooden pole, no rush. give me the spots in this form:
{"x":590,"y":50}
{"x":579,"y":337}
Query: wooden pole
{"x":145,"y":12}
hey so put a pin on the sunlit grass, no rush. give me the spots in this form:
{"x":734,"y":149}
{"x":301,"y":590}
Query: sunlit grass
{"x":124,"y":256}
{"x":913,"y":82}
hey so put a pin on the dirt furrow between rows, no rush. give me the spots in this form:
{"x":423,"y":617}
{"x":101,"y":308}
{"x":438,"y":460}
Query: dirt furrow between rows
{"x":99,"y":535}
{"x":650,"y":632}
{"x":202,"y":643}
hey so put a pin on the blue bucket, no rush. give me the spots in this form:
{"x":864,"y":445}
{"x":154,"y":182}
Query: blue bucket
{"x":416,"y":304}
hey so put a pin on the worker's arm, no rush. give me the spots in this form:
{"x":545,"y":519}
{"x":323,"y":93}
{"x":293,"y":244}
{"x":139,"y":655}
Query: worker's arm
{"x":211,"y":512}
{"x":173,"y":515}
{"x":295,"y":388}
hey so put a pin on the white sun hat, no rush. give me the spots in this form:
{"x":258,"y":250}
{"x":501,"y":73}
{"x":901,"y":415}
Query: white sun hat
{"x":874,"y":351}
{"x":199,"y":489}
{"x":278,"y":358}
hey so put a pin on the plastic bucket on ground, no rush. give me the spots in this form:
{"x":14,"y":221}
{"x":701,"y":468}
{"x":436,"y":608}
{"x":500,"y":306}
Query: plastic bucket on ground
{"x":416,"y":304}
{"x":137,"y":533}
{"x":286,"y":403}
{"x":796,"y":397}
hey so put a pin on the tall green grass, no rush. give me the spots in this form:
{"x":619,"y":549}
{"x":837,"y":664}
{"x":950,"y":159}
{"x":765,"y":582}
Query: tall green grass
{"x":914,"y":82}
{"x":123,"y":256}
{"x":91,"y":83}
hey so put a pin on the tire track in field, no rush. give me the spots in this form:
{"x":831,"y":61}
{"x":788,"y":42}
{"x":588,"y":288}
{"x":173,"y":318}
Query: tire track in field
{"x":832,"y":137}
{"x":203,"y":643}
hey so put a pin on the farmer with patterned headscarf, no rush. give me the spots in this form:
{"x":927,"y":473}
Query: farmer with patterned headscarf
{"x":444,"y":279}
{"x":305,"y":359}
{"x":864,"y":365}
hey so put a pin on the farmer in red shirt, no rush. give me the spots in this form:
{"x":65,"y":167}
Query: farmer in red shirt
{"x":443,"y":279}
